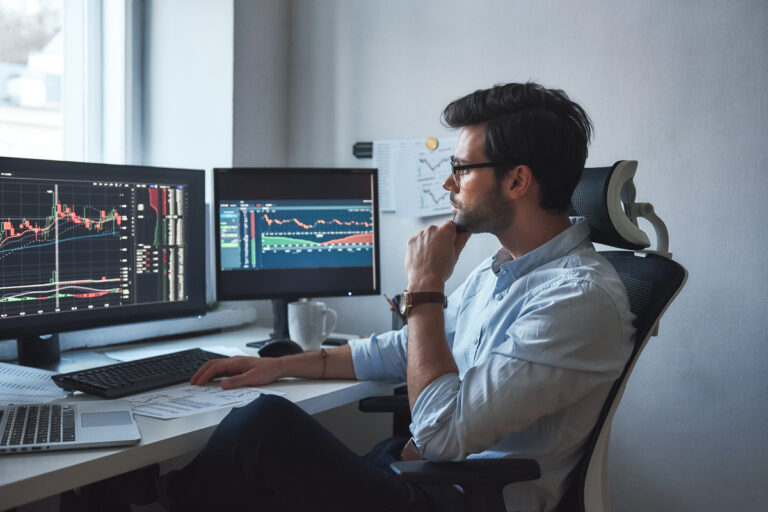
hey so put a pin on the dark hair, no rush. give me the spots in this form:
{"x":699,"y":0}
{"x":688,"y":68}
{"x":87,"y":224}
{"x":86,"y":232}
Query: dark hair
{"x":531,"y":125}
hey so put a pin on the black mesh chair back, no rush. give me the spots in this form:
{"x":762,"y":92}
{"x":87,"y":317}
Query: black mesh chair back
{"x":652,"y":282}
{"x":591,"y":200}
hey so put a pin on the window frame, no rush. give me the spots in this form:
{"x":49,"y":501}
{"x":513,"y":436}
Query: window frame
{"x":101,"y":93}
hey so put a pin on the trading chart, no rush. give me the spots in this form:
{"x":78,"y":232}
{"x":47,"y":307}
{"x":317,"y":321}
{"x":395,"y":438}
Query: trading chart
{"x":70,"y":245}
{"x":296,"y":234}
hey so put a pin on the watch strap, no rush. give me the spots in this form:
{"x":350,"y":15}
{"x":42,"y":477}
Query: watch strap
{"x":415,"y":298}
{"x":425,"y":297}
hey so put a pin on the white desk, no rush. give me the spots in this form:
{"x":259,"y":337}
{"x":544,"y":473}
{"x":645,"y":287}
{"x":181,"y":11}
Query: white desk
{"x":30,"y":477}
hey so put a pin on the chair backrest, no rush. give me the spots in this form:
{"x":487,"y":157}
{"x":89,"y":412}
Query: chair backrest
{"x":652,"y":282}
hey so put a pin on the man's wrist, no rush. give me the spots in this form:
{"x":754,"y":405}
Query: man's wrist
{"x":426,"y":308}
{"x":282,"y":370}
{"x":411,"y":299}
{"x":426,"y":286}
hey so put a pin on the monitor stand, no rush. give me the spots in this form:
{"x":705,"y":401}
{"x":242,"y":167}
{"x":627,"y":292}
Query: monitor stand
{"x":41,"y":351}
{"x":279,"y":324}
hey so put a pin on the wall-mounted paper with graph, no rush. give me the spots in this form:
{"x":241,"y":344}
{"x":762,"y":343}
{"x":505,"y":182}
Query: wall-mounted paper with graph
{"x":419,"y":177}
{"x":411,"y":176}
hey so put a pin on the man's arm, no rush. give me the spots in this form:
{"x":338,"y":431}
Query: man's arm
{"x":428,"y":354}
{"x":430,"y":259}
{"x":257,"y":371}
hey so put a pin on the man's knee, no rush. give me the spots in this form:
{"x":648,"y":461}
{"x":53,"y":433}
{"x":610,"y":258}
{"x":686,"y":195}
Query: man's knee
{"x":260,"y":418}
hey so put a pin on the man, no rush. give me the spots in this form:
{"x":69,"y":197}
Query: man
{"x":518,"y":363}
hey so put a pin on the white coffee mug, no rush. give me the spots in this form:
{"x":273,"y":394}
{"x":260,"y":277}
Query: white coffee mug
{"x":310,"y":323}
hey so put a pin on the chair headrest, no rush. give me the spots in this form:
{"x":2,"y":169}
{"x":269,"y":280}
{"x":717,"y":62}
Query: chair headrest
{"x":598,"y":198}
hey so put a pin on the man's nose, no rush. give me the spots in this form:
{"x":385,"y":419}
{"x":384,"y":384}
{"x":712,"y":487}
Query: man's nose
{"x":450,"y":184}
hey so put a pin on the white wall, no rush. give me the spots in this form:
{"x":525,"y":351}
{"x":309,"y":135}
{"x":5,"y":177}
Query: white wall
{"x":679,"y":86}
{"x":260,"y":85}
{"x":189,"y":60}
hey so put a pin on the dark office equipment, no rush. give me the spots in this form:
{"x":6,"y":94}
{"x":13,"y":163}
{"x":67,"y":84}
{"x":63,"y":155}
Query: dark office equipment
{"x":84,"y":245}
{"x":279,"y":348}
{"x":132,"y":377}
{"x":605,"y":197}
{"x":336,"y":342}
{"x":285,"y":234}
{"x":363,"y":149}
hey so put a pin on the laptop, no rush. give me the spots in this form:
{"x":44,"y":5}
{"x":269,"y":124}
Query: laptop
{"x":34,"y":428}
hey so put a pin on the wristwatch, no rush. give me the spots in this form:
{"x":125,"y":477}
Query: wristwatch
{"x":411,"y":299}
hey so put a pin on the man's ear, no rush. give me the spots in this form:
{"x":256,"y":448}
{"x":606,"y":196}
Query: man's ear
{"x":518,"y":181}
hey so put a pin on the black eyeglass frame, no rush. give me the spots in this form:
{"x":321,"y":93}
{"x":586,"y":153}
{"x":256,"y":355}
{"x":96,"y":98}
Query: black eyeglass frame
{"x":456,"y":168}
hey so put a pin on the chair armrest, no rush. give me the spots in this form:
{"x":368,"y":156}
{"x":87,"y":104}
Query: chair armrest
{"x":393,"y":403}
{"x":484,"y":472}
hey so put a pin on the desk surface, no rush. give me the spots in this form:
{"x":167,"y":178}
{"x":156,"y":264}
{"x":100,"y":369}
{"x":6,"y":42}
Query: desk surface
{"x":32,"y":476}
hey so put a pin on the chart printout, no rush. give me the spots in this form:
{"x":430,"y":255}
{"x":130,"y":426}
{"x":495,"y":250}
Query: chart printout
{"x":74,"y":244}
{"x":421,"y":174}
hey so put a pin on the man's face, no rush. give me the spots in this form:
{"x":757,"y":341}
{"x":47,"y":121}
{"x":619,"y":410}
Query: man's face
{"x":478,"y":204}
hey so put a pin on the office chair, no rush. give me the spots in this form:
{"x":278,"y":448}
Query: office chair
{"x":605,"y":196}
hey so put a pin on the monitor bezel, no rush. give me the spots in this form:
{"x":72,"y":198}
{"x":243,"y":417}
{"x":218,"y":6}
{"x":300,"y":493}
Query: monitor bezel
{"x":298,"y":171}
{"x":67,"y":321}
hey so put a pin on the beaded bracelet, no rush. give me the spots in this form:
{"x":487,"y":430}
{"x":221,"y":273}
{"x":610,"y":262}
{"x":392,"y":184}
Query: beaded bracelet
{"x":324,"y":355}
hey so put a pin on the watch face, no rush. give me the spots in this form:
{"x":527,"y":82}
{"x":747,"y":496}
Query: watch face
{"x":403,"y":304}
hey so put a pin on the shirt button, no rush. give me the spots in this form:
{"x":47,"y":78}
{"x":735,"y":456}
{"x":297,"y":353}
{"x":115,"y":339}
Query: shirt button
{"x":499,"y":296}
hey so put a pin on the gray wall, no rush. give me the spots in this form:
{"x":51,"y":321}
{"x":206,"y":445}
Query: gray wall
{"x":679,"y":86}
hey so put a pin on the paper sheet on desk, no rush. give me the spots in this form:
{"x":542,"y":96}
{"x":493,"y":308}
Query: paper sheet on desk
{"x":175,"y":403}
{"x":22,"y":384}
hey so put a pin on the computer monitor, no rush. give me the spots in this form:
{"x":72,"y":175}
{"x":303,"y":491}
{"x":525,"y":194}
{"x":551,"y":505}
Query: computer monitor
{"x":290,"y":233}
{"x":85,"y":245}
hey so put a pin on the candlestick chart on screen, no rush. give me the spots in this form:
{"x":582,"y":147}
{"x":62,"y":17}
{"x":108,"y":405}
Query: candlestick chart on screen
{"x":70,"y":245}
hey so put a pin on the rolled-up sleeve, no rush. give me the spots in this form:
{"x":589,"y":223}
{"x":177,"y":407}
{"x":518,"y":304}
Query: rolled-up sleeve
{"x":380,"y":357}
{"x":383,"y":356}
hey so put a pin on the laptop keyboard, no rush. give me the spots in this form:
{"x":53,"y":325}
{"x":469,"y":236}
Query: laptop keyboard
{"x":131,"y":377}
{"x":38,"y":424}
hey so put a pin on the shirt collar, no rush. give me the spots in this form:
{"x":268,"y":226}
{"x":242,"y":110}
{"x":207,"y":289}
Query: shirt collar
{"x":558,"y":247}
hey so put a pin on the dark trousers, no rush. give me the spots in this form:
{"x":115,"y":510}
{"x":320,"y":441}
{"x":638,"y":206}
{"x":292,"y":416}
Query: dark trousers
{"x":271,"y":455}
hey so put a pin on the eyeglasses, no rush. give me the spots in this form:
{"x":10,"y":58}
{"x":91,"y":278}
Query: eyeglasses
{"x":458,"y":171}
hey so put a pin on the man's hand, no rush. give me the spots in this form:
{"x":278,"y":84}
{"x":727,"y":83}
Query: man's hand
{"x":432,"y":255}
{"x":258,"y":371}
{"x":240,"y":370}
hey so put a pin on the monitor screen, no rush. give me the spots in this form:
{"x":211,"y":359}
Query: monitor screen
{"x":285,"y":233}
{"x":84,"y":245}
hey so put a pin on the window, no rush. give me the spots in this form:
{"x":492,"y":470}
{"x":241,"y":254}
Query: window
{"x":31,"y":66}
{"x":67,"y":84}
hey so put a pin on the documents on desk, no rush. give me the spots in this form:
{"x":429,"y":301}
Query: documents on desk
{"x":185,"y":401}
{"x":25,"y":385}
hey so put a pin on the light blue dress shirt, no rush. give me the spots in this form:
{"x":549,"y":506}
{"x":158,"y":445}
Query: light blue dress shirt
{"x":538,"y":342}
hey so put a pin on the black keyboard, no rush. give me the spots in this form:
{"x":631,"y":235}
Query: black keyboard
{"x":132,"y":377}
